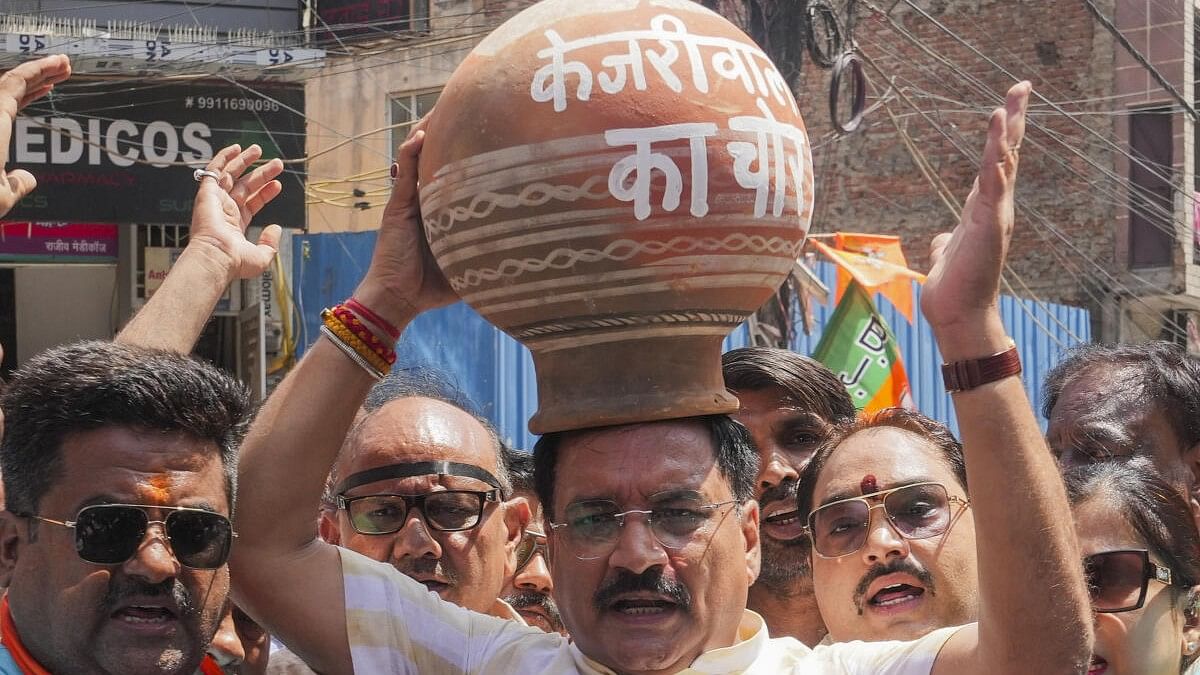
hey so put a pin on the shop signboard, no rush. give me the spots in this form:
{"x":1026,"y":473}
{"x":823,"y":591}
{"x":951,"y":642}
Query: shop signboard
{"x":58,"y":242}
{"x":350,"y":19}
{"x":123,"y":152}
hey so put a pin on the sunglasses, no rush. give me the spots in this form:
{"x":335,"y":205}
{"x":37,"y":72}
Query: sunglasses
{"x":1117,"y":580}
{"x":531,"y":542}
{"x":110,"y":534}
{"x":917,"y":511}
{"x":444,"y":511}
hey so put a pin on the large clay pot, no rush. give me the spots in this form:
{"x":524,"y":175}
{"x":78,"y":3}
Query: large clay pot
{"x":617,"y":184}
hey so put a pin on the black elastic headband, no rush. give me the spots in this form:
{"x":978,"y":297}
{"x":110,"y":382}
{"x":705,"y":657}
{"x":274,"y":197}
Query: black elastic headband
{"x":410,"y":469}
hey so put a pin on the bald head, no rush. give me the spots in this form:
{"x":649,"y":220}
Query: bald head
{"x":419,"y":429}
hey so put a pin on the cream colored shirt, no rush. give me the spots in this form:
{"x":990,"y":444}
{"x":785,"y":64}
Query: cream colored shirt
{"x":396,"y":626}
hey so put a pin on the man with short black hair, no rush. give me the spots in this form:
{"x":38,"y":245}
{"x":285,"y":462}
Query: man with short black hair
{"x":531,"y":590}
{"x":908,"y":568}
{"x":1128,"y":402}
{"x":120,"y":468}
{"x":788,"y":401}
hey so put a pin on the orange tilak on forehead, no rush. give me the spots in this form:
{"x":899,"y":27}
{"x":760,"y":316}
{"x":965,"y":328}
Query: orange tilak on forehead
{"x":159,"y":489}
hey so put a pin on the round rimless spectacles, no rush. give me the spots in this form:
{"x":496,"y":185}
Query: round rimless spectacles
{"x":110,"y":534}
{"x":917,"y":511}
{"x":591,"y":528}
{"x":443,"y":511}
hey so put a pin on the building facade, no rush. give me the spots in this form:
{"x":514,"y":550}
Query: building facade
{"x":157,"y":88}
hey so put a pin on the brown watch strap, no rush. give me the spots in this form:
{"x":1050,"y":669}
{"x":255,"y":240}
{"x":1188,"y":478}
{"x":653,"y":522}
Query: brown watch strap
{"x":971,"y":373}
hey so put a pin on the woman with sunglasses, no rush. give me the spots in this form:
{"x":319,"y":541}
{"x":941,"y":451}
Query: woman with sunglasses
{"x":1142,"y":559}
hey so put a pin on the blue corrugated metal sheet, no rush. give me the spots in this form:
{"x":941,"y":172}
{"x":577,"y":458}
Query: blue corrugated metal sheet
{"x":497,"y":373}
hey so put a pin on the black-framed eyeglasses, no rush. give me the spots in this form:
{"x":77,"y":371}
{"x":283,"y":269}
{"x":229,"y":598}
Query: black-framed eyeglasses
{"x":532,"y":541}
{"x":444,"y":511}
{"x":591,"y":528}
{"x":110,"y":534}
{"x":917,"y":511}
{"x":1117,"y":580}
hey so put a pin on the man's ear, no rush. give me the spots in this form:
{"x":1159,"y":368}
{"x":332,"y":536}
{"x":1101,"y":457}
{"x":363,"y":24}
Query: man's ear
{"x":1191,"y":627}
{"x":14,"y":534}
{"x":516,"y":518}
{"x":749,"y":523}
{"x":327,"y":527}
{"x":1191,"y":458}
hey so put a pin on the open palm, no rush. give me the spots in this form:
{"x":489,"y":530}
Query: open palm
{"x":224,"y":208}
{"x":964,"y":283}
{"x":18,"y":88}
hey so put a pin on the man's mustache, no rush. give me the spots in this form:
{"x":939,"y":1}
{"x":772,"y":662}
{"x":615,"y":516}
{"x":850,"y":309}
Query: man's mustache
{"x":897,"y":565}
{"x":784,"y":491}
{"x":122,"y":588}
{"x":525,"y":599}
{"x":650,"y":581}
{"x":423,"y":566}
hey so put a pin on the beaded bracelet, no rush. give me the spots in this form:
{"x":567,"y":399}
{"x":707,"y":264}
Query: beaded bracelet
{"x":348,"y":338}
{"x":351,"y":353}
{"x":363,"y":311}
{"x":350,"y":320}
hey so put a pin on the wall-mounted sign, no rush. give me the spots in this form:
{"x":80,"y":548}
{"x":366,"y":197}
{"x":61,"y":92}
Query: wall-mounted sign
{"x":347,"y":19}
{"x":58,"y":242}
{"x":118,"y":152}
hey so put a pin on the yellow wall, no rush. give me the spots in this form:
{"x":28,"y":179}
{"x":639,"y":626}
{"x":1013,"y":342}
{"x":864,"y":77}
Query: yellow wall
{"x":350,"y":99}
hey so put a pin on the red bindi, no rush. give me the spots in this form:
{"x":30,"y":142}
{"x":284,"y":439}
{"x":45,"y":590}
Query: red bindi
{"x":868,"y":484}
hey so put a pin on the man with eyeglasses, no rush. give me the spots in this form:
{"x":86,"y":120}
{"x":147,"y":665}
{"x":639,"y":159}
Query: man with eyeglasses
{"x":787,"y":402}
{"x":119,"y":465}
{"x":893,"y":537}
{"x":421,"y":484}
{"x":655,"y":530}
{"x":531,"y":591}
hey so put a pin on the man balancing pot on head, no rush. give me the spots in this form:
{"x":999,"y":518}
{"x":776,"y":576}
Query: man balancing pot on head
{"x":654,"y":531}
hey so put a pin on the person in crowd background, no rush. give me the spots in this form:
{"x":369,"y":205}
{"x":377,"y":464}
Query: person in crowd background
{"x":531,"y":590}
{"x":1142,"y":560}
{"x":788,"y":403}
{"x":1124,"y":402}
{"x":421,"y":484}
{"x":241,"y":646}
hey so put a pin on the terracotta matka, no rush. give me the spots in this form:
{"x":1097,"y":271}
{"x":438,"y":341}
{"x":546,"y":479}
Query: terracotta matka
{"x":617,"y":185}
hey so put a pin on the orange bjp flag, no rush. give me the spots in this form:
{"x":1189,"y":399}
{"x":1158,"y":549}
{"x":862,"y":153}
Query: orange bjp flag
{"x":877,"y":263}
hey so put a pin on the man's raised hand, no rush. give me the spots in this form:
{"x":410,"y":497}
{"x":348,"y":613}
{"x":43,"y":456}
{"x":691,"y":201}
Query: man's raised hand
{"x":404,"y":279}
{"x":962,"y":290}
{"x":18,"y":88}
{"x":224,"y":208}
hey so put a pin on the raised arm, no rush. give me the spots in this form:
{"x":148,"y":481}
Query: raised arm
{"x":1034,"y":610}
{"x":284,"y":575}
{"x":18,"y":88}
{"x":217,"y":252}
